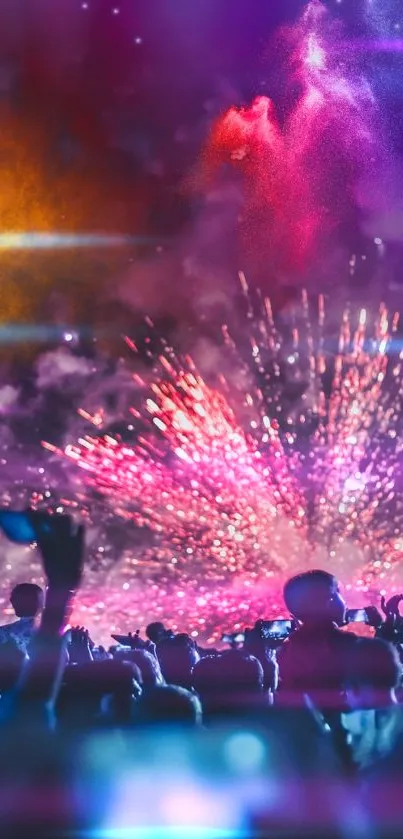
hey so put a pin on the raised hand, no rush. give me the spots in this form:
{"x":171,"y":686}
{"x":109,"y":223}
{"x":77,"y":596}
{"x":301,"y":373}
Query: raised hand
{"x":61,"y":544}
{"x":80,"y":645}
{"x":374,"y":616}
{"x":134,"y":641}
{"x":391,"y":607}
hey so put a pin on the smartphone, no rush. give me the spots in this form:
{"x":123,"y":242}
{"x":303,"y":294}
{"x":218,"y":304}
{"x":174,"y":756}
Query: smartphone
{"x":357,"y":616}
{"x":276,"y":629}
{"x":122,"y":640}
{"x":17,"y":526}
{"x":133,"y":642}
{"x":235,"y":638}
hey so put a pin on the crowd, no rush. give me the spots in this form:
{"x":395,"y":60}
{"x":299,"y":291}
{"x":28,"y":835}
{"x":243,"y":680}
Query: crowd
{"x":317,"y":716}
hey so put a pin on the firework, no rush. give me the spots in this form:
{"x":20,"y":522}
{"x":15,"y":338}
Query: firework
{"x":220,"y":486}
{"x":227,"y":488}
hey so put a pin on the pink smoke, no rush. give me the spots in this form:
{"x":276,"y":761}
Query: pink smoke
{"x":300,"y":172}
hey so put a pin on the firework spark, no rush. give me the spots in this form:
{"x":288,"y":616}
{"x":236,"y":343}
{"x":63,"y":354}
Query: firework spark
{"x":229,"y":489}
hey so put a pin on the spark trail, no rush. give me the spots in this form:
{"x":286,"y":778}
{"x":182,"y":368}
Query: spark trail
{"x":232,"y":489}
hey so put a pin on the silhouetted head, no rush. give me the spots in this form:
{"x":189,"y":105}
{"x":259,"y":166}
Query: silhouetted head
{"x":27,"y":600}
{"x":240,"y":672}
{"x":177,"y":657}
{"x":155,"y":632}
{"x":229,"y":683}
{"x":168,"y":705}
{"x":98,"y":689}
{"x":314,"y":596}
{"x":373,"y":672}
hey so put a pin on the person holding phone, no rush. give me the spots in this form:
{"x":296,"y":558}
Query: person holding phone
{"x":312,"y":661}
{"x":27,"y":600}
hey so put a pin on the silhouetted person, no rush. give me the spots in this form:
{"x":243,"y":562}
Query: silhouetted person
{"x":230,"y":684}
{"x":27,"y":600}
{"x":169,"y":705}
{"x":156,"y":632}
{"x":313,"y":660}
{"x":373,"y":672}
{"x":98,"y":693}
{"x":375,"y":721}
{"x":177,"y":657}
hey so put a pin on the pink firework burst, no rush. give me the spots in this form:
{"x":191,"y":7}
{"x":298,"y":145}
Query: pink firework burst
{"x":229,"y":491}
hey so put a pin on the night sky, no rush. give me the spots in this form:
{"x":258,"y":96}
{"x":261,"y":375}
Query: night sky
{"x":105,"y":109}
{"x":131,"y":85}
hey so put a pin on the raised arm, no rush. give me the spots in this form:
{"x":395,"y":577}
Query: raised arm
{"x":61,"y":547}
